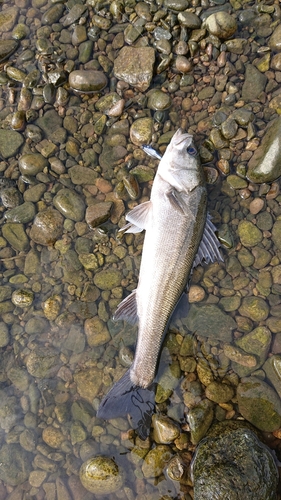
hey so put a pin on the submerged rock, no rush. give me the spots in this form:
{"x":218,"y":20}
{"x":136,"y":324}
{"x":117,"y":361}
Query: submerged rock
{"x":232,"y":463}
{"x":101,"y":475}
{"x":134,"y":65}
{"x":265,"y":164}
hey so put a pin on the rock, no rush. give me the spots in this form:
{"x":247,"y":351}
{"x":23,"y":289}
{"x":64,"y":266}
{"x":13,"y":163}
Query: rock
{"x":272,"y":368}
{"x":155,"y":461}
{"x":217,"y":474}
{"x":7,"y":47}
{"x":75,"y":13}
{"x":10,"y":197}
{"x":249,"y":234}
{"x":19,"y":378}
{"x":15,"y":464}
{"x":89,"y":261}
{"x":82,"y":175}
{"x":106,"y":279}
{"x":42,"y":362}
{"x":189,"y":20}
{"x":47,"y":227}
{"x":8,"y":19}
{"x":276,"y":234}
{"x":50,"y":123}
{"x":265,"y":164}
{"x":10,"y":141}
{"x":16,"y":236}
{"x":22,"y":298}
{"x":254,"y":308}
{"x":134,"y":65}
{"x":87,"y":80}
{"x":141,"y":131}
{"x":275,"y":39}
{"x":98,"y":214}
{"x":96,"y":332}
{"x":4,"y":334}
{"x":51,"y":307}
{"x":165,"y":430}
{"x":256,"y":343}
{"x":210,"y":321}
{"x":199,"y":419}
{"x":250,"y":91}
{"x":32,"y":164}
{"x":21,"y":214}
{"x":70,"y":204}
{"x":88,"y":383}
{"x":219,"y":392}
{"x":221,"y":24}
{"x":158,"y":100}
{"x":53,"y":437}
{"x":53,"y":14}
{"x":101,"y":475}
{"x":259,"y":404}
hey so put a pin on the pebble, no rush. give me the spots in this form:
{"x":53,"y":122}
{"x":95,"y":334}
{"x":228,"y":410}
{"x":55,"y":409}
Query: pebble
{"x":8,"y":19}
{"x":22,"y":298}
{"x":70,"y":204}
{"x":155,"y":461}
{"x":10,"y":143}
{"x":165,"y":430}
{"x":87,"y":80}
{"x":249,"y":234}
{"x":221,"y":24}
{"x":88,"y":383}
{"x":96,"y":332}
{"x":259,"y":404}
{"x":42,"y":362}
{"x":265,"y":164}
{"x":47,"y":227}
{"x":274,"y":41}
{"x":134,"y":65}
{"x":250,"y":91}
{"x":16,"y":236}
{"x":101,"y":475}
{"x":141,"y":131}
{"x":210,"y":321}
{"x":16,"y":466}
{"x":7,"y":48}
{"x":53,"y":437}
{"x":32,"y":164}
{"x":256,"y":206}
{"x":98,"y":214}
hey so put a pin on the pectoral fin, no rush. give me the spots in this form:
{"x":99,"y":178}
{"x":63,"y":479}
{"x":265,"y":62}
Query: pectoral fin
{"x":138,"y":218}
{"x":208,"y":250}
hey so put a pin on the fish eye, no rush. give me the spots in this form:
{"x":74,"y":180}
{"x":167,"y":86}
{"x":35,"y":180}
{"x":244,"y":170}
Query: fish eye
{"x":191,"y":150}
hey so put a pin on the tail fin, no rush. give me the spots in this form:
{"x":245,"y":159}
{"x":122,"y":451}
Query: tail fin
{"x":126,"y":398}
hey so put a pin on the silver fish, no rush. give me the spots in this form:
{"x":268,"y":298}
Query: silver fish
{"x":179,"y":235}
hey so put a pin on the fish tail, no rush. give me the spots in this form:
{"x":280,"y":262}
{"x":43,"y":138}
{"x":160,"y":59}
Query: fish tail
{"x":126,"y":398}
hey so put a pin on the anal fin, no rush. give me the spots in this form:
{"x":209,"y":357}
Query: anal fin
{"x":128,"y":309}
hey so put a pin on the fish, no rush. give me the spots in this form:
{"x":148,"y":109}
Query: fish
{"x":179,"y":236}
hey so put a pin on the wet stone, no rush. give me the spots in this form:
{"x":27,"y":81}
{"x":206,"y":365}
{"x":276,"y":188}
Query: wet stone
{"x":216,"y":475}
{"x":250,"y":91}
{"x":106,"y":279}
{"x":155,"y":461}
{"x":101,"y":475}
{"x":165,"y":430}
{"x":87,"y":80}
{"x":249,"y":234}
{"x":8,"y":19}
{"x":88,"y":382}
{"x":274,"y":41}
{"x":10,"y":197}
{"x":16,"y":236}
{"x":7,"y":47}
{"x":158,"y":100}
{"x":256,"y":343}
{"x":177,"y":5}
{"x":42,"y":362}
{"x":219,"y":392}
{"x":35,"y":193}
{"x":276,"y":234}
{"x":53,"y":437}
{"x":210,"y":321}
{"x":141,"y":131}
{"x":47,"y":227}
{"x":259,"y":404}
{"x":4,"y":334}
{"x":265,"y":164}
{"x":16,"y":464}
{"x":74,"y":14}
{"x":221,"y":24}
{"x":53,"y":14}
{"x":98,"y":214}
{"x":199,"y":419}
{"x":22,"y":298}
{"x":189,"y":20}
{"x":10,"y":143}
{"x":82,"y":175}
{"x":254,"y":308}
{"x":50,"y":122}
{"x":134,"y":65}
{"x":22,"y":214}
{"x":70,"y":204}
{"x":32,"y":164}
{"x":96,"y":332}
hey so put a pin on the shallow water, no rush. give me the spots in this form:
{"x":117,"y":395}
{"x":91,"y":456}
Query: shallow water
{"x":61,"y":351}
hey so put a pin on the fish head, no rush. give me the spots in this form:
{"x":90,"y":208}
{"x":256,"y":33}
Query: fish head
{"x":180,"y":165}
